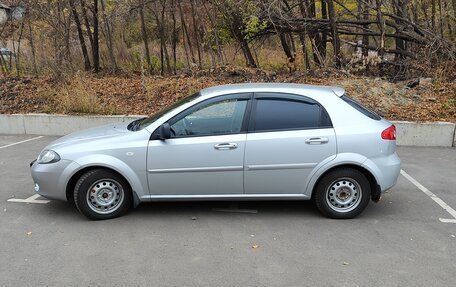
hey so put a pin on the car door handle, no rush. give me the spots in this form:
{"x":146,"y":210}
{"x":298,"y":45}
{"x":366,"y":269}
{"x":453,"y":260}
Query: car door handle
{"x":226,"y":146}
{"x":317,"y":141}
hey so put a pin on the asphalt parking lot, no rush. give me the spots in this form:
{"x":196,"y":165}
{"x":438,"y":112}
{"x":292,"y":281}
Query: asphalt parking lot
{"x":407,"y":239}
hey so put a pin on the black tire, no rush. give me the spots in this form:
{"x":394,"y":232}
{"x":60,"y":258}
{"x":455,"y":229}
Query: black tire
{"x":102,"y":194}
{"x":342,"y":193}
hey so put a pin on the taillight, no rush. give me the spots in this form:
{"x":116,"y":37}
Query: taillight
{"x":389,"y":133}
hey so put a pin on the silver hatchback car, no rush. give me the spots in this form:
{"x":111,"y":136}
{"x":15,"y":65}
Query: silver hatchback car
{"x":232,"y":142}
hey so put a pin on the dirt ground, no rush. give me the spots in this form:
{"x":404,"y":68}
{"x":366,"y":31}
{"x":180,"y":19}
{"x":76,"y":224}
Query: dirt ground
{"x":420,"y":99}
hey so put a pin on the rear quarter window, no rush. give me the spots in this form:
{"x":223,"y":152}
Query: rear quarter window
{"x":360,"y":108}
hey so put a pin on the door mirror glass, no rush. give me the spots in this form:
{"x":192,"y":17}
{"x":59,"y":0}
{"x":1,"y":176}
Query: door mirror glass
{"x":164,"y":131}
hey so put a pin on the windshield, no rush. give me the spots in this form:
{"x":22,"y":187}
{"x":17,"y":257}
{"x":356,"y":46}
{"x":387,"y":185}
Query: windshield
{"x":144,"y":122}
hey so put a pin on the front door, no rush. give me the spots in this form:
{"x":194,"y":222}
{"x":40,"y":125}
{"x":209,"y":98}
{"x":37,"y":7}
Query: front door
{"x":205,"y":153}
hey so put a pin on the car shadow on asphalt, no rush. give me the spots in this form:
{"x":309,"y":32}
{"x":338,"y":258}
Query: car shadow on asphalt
{"x":247,"y":208}
{"x":283,"y":209}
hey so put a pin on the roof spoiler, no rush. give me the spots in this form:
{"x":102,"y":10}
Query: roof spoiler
{"x":338,"y":91}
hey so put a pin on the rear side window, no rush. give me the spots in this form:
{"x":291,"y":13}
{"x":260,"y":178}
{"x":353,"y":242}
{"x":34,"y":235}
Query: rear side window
{"x":371,"y":114}
{"x":272,"y":114}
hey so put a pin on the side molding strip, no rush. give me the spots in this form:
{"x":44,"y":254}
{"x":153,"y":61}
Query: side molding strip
{"x":280,"y":166}
{"x":196,"y":169}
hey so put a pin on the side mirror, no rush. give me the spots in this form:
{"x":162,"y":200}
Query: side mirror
{"x":164,"y":131}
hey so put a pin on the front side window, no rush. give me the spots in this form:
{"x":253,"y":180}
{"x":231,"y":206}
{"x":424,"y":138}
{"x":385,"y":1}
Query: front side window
{"x":143,"y":123}
{"x":223,"y":117}
{"x":272,"y":114}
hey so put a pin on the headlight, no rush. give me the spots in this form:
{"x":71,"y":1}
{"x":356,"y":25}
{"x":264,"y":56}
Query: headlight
{"x":48,"y":156}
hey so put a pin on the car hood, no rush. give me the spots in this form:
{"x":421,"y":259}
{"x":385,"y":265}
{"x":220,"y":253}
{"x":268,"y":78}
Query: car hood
{"x":102,"y":132}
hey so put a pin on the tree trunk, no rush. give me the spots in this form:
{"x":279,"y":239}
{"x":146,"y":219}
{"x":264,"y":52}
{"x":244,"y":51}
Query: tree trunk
{"x":448,"y":19}
{"x":213,"y":21}
{"x":18,"y":54}
{"x":32,"y":47}
{"x":108,"y":33}
{"x":381,"y":27}
{"x":163,"y":36}
{"x":185,"y":31}
{"x":67,"y":27}
{"x":174,"y":37}
{"x":433,"y":15}
{"x":95,"y":50}
{"x":335,"y":34}
{"x":87,"y":22}
{"x":401,"y":11}
{"x":365,"y":16}
{"x":195,"y":30}
{"x":324,"y":33}
{"x":307,"y":11}
{"x":85,"y":54}
{"x":144,"y":35}
{"x":250,"y":61}
{"x":441,"y":18}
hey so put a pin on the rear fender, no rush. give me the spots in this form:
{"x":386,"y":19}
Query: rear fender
{"x":339,"y":160}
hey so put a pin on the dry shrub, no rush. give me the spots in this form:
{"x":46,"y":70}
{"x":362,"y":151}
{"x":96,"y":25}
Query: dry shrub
{"x":78,"y":97}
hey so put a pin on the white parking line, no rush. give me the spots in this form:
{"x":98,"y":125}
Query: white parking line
{"x":24,"y":141}
{"x":31,"y":199}
{"x":434,"y":197}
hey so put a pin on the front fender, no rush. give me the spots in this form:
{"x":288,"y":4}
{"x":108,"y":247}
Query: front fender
{"x":138,"y":187}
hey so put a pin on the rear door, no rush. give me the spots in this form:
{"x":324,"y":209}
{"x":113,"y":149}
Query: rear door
{"x":288,"y":137}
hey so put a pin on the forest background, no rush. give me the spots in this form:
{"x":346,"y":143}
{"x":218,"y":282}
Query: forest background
{"x":136,"y":56}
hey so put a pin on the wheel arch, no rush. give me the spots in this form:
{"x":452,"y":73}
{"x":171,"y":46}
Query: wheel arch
{"x":375,"y":187}
{"x":127,"y":174}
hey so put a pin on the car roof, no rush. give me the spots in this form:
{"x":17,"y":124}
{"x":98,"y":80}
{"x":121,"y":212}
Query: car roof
{"x":300,"y":89}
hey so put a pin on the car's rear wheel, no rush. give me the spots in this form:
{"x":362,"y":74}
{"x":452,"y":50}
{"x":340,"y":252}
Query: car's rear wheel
{"x":102,"y":194}
{"x":342,"y":193}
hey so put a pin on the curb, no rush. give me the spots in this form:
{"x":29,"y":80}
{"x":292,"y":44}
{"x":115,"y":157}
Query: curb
{"x":55,"y":125}
{"x":435,"y":134}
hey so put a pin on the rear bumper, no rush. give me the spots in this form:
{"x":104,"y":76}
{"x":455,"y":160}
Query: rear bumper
{"x":386,"y":170}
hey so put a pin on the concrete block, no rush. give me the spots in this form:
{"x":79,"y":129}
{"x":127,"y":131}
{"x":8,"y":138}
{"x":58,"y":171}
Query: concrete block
{"x":438,"y":134}
{"x":12,"y":124}
{"x":64,"y":124}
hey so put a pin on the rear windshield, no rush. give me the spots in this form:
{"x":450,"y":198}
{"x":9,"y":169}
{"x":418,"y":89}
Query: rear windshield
{"x":371,"y":114}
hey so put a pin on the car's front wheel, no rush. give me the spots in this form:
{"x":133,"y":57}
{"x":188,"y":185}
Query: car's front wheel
{"x":102,"y":194}
{"x":342,"y":193}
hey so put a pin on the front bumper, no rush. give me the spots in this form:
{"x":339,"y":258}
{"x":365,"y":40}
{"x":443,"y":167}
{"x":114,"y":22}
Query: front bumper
{"x":51,"y":179}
